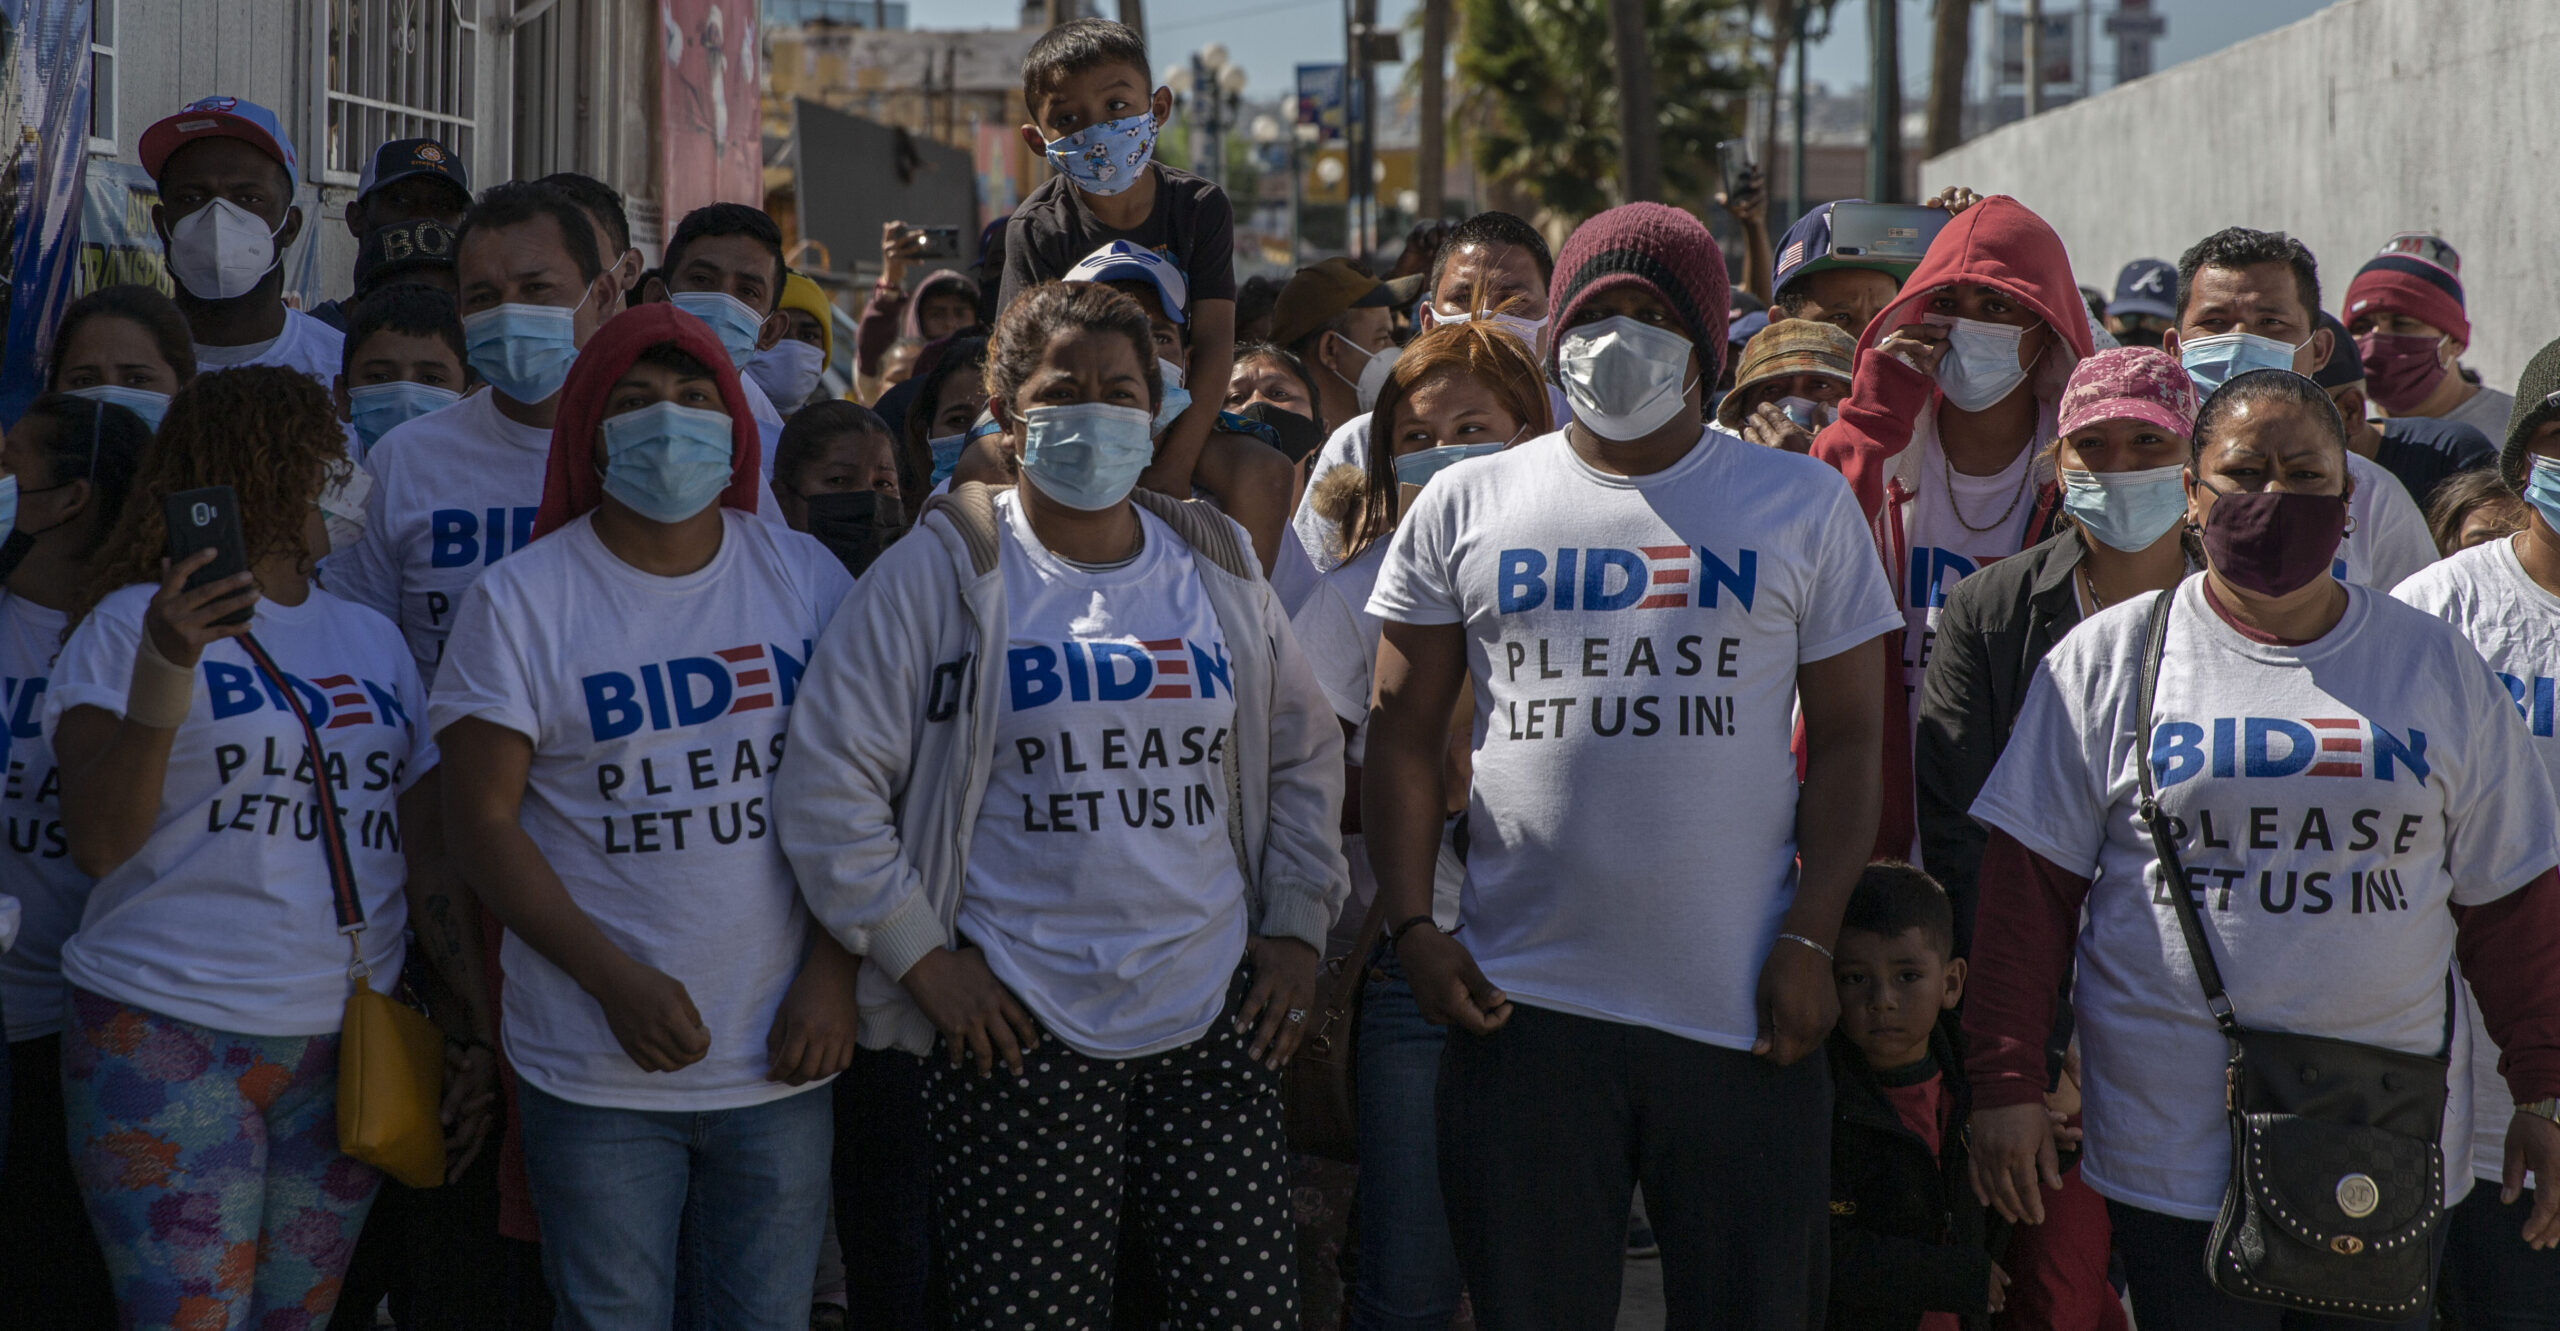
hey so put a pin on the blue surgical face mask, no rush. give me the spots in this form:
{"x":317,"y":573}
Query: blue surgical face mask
{"x":732,"y":320}
{"x":666,"y":462}
{"x":2213,"y":361}
{"x":2541,"y":489}
{"x":524,"y":351}
{"x":150,"y":406}
{"x":1177,"y":400}
{"x":1086,"y":455}
{"x":1109,"y":157}
{"x":373,"y":409}
{"x":946,"y":455}
{"x":8,"y":507}
{"x":1419,"y":467}
{"x":2126,"y":510}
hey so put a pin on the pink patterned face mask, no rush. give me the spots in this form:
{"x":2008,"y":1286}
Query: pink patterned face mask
{"x":1109,"y":157}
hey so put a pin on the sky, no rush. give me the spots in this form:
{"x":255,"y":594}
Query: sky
{"x":1271,"y":37}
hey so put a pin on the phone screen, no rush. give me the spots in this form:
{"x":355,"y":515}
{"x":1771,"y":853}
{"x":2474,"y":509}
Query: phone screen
{"x":207,"y":519}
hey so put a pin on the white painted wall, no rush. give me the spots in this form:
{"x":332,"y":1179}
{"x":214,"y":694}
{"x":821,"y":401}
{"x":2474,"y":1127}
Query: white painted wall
{"x":2368,"y":118}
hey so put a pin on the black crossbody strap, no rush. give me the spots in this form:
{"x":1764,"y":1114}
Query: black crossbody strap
{"x":333,"y":833}
{"x":2164,"y":840}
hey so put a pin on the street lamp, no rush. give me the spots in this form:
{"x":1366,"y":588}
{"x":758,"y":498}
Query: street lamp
{"x":1216,"y":89}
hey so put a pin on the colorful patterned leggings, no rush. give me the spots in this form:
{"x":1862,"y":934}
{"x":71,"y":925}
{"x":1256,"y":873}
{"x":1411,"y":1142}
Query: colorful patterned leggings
{"x":209,"y":1163}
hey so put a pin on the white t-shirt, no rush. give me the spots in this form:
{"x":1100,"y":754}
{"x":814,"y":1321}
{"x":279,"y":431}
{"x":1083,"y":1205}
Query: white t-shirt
{"x":1340,"y":638}
{"x":2485,"y":593}
{"x":1634,"y":643}
{"x":35,"y":861}
{"x":2336,"y":796}
{"x":1293,"y":575}
{"x":656,"y":707}
{"x":768,"y":430}
{"x":1943,"y":547}
{"x":2390,"y":540}
{"x":306,"y":344}
{"x":224,"y":916}
{"x":1102,"y":882}
{"x":454,"y":491}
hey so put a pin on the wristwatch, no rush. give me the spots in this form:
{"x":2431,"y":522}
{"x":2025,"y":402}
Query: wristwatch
{"x":2545,"y":1108}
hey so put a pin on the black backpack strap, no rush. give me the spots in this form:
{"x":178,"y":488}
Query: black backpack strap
{"x":2164,"y":840}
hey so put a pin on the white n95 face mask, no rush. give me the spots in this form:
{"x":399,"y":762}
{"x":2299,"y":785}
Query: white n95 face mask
{"x":1527,"y":330}
{"x":1624,"y":377}
{"x":1981,"y":365}
{"x":1373,"y":376}
{"x":220,"y":251}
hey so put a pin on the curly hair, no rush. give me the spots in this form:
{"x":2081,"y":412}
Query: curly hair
{"x":1480,"y":351}
{"x":267,"y":432}
{"x":1038,"y":317}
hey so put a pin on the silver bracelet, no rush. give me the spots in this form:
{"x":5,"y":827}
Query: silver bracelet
{"x":1800,"y":938}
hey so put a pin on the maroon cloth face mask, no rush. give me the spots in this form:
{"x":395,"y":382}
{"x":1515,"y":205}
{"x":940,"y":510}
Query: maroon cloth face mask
{"x":2400,"y":369}
{"x":2271,"y":542}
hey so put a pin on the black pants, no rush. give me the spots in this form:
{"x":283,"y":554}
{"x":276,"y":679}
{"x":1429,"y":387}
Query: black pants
{"x":51,"y":1273}
{"x":1546,"y":1126}
{"x":1031,"y":1175}
{"x":435,"y":1253}
{"x":884,"y":1190}
{"x":2491,"y":1280}
{"x":2164,"y":1272}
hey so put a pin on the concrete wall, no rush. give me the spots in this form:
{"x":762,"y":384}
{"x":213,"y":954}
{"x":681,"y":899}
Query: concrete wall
{"x":2368,"y":118}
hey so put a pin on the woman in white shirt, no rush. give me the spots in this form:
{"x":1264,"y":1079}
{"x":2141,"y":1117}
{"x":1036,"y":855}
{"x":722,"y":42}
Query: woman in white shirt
{"x":2354,"y":798}
{"x":209,"y":971}
{"x":1459,"y":391}
{"x":1060,"y":773}
{"x":69,"y":462}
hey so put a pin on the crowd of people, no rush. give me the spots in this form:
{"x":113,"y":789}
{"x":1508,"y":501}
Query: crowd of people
{"x":1546,"y":725}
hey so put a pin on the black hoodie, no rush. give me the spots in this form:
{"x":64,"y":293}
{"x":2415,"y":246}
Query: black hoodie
{"x":1907,"y":1234}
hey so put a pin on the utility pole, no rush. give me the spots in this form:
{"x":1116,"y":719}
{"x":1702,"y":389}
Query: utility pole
{"x":1950,"y":45}
{"x":1360,"y":199}
{"x":2036,"y":57}
{"x":1133,"y":14}
{"x":1430,"y":160}
{"x":1801,"y":202}
{"x":1639,"y":132}
{"x":1884,"y":102}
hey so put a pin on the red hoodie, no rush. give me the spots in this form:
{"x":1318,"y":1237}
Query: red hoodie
{"x":1996,"y":243}
{"x":574,"y":484}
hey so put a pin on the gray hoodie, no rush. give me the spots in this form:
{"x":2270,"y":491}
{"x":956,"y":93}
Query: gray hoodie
{"x":892,"y":742}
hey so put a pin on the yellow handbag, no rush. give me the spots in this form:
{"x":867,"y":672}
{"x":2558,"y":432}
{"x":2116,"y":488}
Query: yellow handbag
{"x":390,"y":1057}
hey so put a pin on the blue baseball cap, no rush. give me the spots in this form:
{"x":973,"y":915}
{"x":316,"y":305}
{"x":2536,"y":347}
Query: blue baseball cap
{"x":220,"y":117}
{"x":1123,"y":261}
{"x":1743,"y":329}
{"x":2146,"y":287}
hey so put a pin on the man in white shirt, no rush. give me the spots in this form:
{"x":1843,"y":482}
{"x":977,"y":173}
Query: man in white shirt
{"x":724,"y":266}
{"x":227,"y":176}
{"x":456,"y":489}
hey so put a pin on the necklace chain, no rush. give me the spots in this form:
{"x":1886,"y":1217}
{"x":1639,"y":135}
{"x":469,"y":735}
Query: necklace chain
{"x":1947,"y":482}
{"x":2089,"y":583}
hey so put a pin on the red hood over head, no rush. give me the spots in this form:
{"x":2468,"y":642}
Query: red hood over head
{"x":1996,"y":243}
{"x":573,"y":485}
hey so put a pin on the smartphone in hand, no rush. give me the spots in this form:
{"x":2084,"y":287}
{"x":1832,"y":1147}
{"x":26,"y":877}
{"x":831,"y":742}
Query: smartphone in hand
{"x":207,"y":519}
{"x":1733,"y":158}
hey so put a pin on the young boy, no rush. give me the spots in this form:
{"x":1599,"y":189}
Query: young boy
{"x":403,"y":358}
{"x":1907,"y":1233}
{"x":1088,"y":90}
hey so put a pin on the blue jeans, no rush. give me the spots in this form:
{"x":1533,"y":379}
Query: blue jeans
{"x":1407,"y":1273}
{"x":733,"y":1200}
{"x":2491,"y":1281}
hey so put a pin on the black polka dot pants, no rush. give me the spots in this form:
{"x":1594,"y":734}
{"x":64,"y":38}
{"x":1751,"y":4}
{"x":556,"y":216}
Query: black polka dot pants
{"x":1030,"y":1174}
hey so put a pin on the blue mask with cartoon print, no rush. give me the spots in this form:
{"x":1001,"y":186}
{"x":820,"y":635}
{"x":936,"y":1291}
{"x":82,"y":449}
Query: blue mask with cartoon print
{"x":1109,"y":157}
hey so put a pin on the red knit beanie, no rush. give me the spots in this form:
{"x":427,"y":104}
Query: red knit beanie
{"x":1660,"y":248}
{"x":2407,"y":284}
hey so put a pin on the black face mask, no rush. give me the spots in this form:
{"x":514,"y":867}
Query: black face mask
{"x":1294,"y":435}
{"x":855,"y":525}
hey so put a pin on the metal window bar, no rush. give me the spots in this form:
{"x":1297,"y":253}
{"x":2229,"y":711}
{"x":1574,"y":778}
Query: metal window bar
{"x":398,"y":69}
{"x":102,"y":76}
